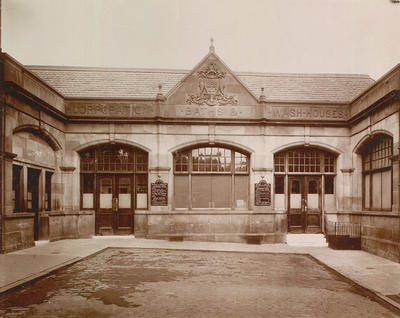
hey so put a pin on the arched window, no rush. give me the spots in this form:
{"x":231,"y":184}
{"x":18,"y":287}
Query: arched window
{"x":377,"y":173}
{"x":211,"y":177}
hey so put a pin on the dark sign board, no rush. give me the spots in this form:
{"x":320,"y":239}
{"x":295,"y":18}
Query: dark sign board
{"x":262,"y":193}
{"x":159,"y":193}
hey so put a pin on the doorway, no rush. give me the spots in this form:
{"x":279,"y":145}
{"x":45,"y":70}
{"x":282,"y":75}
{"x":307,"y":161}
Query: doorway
{"x":115,"y":204}
{"x":33,"y":198}
{"x":304,"y":204}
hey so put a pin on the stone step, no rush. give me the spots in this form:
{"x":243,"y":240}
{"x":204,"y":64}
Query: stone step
{"x":306,"y":240}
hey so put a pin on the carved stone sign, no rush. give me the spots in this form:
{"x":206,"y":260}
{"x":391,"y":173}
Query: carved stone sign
{"x":211,"y":89}
{"x":262,"y":193}
{"x":159,"y":193}
{"x":204,"y":111}
{"x":307,"y":113}
{"x":111,"y":109}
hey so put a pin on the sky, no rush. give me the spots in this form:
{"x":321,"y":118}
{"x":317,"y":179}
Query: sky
{"x":273,"y":36}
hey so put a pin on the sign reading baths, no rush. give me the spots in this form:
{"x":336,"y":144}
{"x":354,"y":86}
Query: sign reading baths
{"x":148,"y":110}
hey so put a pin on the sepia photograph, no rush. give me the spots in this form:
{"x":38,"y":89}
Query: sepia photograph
{"x":183,"y":158}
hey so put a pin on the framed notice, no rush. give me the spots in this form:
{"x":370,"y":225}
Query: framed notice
{"x":159,"y":193}
{"x":262,"y":193}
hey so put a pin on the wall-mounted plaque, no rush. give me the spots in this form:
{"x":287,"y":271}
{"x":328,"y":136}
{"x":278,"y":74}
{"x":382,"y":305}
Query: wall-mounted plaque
{"x":159,"y":193}
{"x":262,"y":193}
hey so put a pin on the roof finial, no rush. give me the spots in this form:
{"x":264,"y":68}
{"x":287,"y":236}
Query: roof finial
{"x":160,"y":95}
{"x":212,"y":48}
{"x":262,"y":97}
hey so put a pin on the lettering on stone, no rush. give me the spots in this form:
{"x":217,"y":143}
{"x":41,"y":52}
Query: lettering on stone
{"x":309,"y":113}
{"x":159,"y":193}
{"x":110,"y":110}
{"x":262,"y":193}
{"x":194,"y":111}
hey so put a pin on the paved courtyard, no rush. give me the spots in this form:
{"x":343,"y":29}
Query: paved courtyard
{"x":132,"y":282}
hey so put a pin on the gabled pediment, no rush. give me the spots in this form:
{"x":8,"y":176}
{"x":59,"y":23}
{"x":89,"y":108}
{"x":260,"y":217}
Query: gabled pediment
{"x":211,"y":83}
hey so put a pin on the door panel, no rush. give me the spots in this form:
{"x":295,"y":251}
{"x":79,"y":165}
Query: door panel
{"x":295,"y":216}
{"x":115,"y":213}
{"x":123,"y":214}
{"x":313,"y":204}
{"x":304,"y":204}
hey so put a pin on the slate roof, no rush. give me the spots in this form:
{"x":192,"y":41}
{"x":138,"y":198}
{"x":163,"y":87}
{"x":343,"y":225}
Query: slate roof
{"x":77,"y":82}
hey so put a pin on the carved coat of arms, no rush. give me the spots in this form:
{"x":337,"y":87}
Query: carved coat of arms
{"x":211,"y":88}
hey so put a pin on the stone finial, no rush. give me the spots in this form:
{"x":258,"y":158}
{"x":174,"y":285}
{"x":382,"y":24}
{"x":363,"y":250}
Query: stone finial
{"x":262,"y":97}
{"x":212,"y":48}
{"x":160,"y":95}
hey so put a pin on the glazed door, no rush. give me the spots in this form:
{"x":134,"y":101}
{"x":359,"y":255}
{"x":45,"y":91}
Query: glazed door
{"x":296,"y":205}
{"x":115,"y":204}
{"x":313,"y":204}
{"x":304,"y":204}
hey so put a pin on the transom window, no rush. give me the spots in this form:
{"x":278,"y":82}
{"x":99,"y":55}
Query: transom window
{"x":377,"y":174}
{"x":304,"y":161}
{"x":113,"y":158}
{"x":211,"y":160}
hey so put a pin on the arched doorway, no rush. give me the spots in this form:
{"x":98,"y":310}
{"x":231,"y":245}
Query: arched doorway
{"x":303,"y":177}
{"x":114,"y":182}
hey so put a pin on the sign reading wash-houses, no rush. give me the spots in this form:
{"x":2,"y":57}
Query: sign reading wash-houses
{"x":327,"y":144}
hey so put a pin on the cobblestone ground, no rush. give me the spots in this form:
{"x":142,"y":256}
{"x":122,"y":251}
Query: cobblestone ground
{"x":167,"y":283}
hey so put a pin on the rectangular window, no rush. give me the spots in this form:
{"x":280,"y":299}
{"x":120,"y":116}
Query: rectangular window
{"x":181,"y":191}
{"x":279,"y":184}
{"x":141,"y":191}
{"x":329,"y":184}
{"x":87,"y":191}
{"x":241,"y":192}
{"x":201,"y":191}
{"x":17,"y":188}
{"x":47,"y":191}
{"x":376,"y":191}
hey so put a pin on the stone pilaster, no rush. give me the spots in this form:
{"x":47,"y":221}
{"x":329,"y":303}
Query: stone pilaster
{"x":347,"y":195}
{"x":67,"y":182}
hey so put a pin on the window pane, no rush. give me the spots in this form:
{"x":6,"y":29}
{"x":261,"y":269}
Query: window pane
{"x":279,"y":184}
{"x":367,"y":194}
{"x":201,"y":191}
{"x":312,"y":186}
{"x":241,"y":191}
{"x":17,"y":188}
{"x":329,"y":184}
{"x":124,"y":193}
{"x":376,"y":191}
{"x":295,"y":188}
{"x":221,"y":188}
{"x":141,"y":191}
{"x":386,"y":189}
{"x":181,"y":191}
{"x":47,"y":191}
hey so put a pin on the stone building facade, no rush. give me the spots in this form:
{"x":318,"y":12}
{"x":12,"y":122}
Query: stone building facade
{"x":207,"y":154}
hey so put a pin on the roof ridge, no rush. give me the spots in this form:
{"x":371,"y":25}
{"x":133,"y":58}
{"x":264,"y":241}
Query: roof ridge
{"x":102,"y":69}
{"x":318,"y":75}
